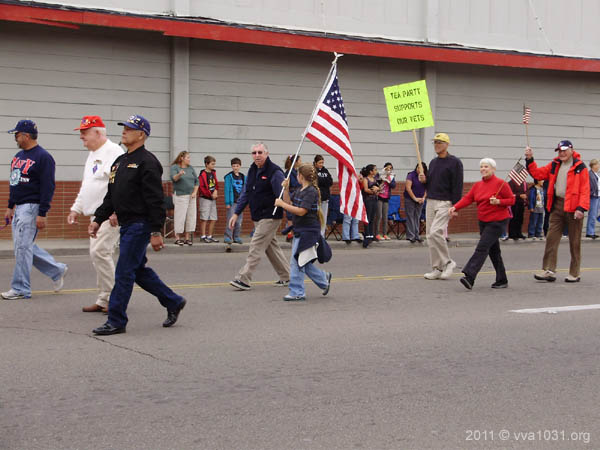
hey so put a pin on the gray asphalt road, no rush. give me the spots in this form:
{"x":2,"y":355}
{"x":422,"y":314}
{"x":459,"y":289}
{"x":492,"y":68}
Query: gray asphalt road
{"x":387,"y":361}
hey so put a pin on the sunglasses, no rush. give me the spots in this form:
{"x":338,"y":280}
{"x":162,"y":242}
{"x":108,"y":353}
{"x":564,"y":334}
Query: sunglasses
{"x":439,"y":142}
{"x":257,"y":153}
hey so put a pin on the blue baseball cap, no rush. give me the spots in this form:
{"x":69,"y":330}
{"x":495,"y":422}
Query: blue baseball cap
{"x":25,"y":126}
{"x":563,"y":145}
{"x":137,"y":123}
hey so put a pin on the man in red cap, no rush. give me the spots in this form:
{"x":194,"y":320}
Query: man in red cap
{"x":567,"y":201}
{"x":96,"y":172}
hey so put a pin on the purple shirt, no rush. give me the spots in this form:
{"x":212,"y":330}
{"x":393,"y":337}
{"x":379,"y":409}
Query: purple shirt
{"x":417,"y":187}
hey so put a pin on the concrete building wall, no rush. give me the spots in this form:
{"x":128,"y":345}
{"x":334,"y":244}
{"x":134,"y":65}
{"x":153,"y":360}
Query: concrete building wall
{"x":55,"y":76}
{"x":570,"y":27}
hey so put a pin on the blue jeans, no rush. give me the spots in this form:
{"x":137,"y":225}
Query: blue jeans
{"x":297,"y":273}
{"x":350,"y":228}
{"x":235,"y":233}
{"x":590,"y":228}
{"x":536,"y":225}
{"x":131,"y":268}
{"x":27,"y":253}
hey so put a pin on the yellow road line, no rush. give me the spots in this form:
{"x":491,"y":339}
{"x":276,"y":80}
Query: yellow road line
{"x":335,"y":280}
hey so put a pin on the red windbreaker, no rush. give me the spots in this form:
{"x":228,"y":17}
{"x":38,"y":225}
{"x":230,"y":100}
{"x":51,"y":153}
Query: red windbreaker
{"x":577,"y":196}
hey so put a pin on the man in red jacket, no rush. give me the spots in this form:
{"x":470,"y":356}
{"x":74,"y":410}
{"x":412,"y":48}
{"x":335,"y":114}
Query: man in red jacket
{"x":568,"y":199}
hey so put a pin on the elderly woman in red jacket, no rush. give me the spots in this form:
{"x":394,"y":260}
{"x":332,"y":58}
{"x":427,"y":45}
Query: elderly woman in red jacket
{"x":493,"y":197}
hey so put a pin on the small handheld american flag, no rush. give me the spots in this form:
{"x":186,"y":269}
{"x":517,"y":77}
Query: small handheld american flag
{"x":518,"y":173}
{"x":526,"y":114}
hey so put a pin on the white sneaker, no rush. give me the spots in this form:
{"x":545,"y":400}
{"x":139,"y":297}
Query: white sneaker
{"x":57,"y":285}
{"x":447,"y":273}
{"x":435,"y":274}
{"x":11,"y":294}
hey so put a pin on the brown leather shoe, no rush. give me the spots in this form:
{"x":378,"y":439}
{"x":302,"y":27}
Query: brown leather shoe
{"x":93,"y":308}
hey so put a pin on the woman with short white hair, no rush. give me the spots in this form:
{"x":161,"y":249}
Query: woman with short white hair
{"x":493,"y":198}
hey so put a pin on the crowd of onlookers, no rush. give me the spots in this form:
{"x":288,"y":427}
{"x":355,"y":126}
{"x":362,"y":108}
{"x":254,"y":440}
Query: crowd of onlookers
{"x":376,"y":188}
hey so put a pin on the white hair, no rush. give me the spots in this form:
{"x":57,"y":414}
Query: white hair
{"x":101,"y":130}
{"x":488,"y":161}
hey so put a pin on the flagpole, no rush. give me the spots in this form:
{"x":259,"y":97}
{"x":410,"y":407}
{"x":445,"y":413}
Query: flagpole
{"x":506,"y":180}
{"x":419,"y":161}
{"x":333,"y":64}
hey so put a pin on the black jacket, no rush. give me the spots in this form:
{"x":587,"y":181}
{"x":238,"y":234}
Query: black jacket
{"x":325,"y":182}
{"x":263,"y":186}
{"x":135,"y":190}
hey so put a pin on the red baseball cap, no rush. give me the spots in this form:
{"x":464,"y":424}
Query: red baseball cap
{"x":90,"y":122}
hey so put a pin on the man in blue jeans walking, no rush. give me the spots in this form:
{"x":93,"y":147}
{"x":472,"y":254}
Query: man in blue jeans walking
{"x":31,"y":191}
{"x":135,"y":194}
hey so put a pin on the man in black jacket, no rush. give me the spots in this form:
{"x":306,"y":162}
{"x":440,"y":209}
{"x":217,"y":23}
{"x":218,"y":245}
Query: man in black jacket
{"x":135,"y":194}
{"x":263,"y":186}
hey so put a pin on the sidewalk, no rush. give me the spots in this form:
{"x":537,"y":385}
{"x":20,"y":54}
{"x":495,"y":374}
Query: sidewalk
{"x":60,"y":247}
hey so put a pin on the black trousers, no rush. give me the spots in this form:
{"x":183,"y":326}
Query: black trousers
{"x":488,"y":245}
{"x":371,"y":207}
{"x":515,"y":226}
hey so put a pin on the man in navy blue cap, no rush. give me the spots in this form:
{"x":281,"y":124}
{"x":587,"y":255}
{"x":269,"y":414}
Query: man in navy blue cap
{"x":135,"y":194}
{"x":568,"y":199}
{"x":31,"y":191}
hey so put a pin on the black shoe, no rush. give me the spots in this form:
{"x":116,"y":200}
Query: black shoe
{"x":500,"y":285}
{"x":238,"y":284}
{"x":359,"y":240}
{"x":347,"y":241}
{"x":172,"y":316}
{"x":466,"y":282}
{"x":366,"y":242}
{"x":523,"y":236}
{"x":107,"y":329}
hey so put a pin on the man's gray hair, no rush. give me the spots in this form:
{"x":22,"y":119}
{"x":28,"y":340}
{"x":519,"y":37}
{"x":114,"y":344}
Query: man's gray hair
{"x":100,"y":130}
{"x":488,"y":161}
{"x":259,"y":144}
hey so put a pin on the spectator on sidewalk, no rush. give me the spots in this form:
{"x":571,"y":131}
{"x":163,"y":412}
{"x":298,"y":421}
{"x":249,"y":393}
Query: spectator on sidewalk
{"x":536,"y":210}
{"x":325,"y":183}
{"x":209,"y":191}
{"x":415,"y":195}
{"x":515,"y":225}
{"x":387,"y":183}
{"x":590,"y":231}
{"x":185,"y":193}
{"x":234,"y":185}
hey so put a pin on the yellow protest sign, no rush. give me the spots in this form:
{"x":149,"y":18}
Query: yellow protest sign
{"x":408,"y":106}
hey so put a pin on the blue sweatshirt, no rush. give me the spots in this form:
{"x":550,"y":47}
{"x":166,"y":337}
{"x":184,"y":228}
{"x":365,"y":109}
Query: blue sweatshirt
{"x":32,"y":179}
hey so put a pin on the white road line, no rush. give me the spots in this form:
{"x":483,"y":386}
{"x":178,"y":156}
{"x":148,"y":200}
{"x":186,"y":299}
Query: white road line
{"x":555,"y":309}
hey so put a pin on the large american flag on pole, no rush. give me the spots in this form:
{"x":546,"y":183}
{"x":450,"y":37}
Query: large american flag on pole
{"x":329,"y":130}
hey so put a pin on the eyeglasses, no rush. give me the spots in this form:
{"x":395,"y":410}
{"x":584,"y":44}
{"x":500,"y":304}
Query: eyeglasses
{"x":563,"y":149}
{"x":439,"y":142}
{"x":257,"y":153}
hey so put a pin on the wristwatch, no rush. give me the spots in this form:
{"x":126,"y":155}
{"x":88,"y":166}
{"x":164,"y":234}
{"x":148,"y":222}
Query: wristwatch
{"x":156,"y":233}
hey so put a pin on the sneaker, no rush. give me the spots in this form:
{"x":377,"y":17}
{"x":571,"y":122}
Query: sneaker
{"x":500,"y":285}
{"x":466,"y":282}
{"x":386,"y":237}
{"x":504,"y":238}
{"x":227,"y":240}
{"x":545,"y":275}
{"x":211,"y":239}
{"x":294,"y":298}
{"x":57,"y":285}
{"x":204,"y":238}
{"x":435,"y":274}
{"x":188,"y":242}
{"x":238,"y":241}
{"x":240,"y":285}
{"x":378,"y":237}
{"x":11,"y":294}
{"x":571,"y":279}
{"x":326,"y":290}
{"x":281,"y":283}
{"x":447,"y":273}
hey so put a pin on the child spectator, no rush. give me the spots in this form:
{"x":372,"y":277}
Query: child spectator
{"x":388,"y":182}
{"x":234,"y":185}
{"x":306,"y":215}
{"x":294,"y":184}
{"x":208,"y":189}
{"x":536,"y":210}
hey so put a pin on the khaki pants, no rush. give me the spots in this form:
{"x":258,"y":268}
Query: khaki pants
{"x":437,"y":221}
{"x":102,"y":249}
{"x":558,"y":220}
{"x":264,"y":240}
{"x":185,"y":214}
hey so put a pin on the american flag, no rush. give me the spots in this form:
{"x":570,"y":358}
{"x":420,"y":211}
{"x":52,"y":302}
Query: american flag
{"x":526,"y":114}
{"x":518,"y":173}
{"x":329,"y":130}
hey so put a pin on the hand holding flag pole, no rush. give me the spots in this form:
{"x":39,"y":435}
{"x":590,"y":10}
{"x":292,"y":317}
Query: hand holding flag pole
{"x":331,"y":70}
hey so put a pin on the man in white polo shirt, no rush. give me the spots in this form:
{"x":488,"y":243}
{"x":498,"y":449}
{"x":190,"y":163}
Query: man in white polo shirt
{"x":96,"y":173}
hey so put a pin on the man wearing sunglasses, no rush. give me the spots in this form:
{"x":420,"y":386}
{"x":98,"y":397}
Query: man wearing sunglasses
{"x":567,"y":201}
{"x":263,"y":186}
